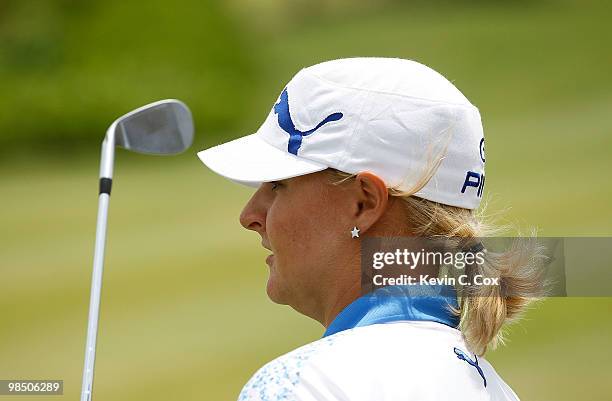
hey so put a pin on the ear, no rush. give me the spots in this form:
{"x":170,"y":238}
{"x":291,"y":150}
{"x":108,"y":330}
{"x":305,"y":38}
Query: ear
{"x":371,"y":197}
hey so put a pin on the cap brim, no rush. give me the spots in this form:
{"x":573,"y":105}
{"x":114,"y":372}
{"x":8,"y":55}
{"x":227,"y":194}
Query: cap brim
{"x":250,"y":161}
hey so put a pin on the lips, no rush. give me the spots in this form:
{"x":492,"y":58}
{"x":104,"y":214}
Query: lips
{"x":270,"y":259}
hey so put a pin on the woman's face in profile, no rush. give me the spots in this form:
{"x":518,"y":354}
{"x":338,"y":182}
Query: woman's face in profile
{"x":305,"y":222}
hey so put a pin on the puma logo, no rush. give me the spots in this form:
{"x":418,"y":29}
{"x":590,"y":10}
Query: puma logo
{"x":464,"y":357}
{"x":281,"y":109}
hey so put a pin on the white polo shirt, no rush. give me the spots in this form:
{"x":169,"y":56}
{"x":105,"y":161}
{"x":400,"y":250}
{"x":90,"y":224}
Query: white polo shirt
{"x":385,"y":346}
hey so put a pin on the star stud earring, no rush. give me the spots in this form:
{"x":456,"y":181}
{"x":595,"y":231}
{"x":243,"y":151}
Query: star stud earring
{"x":355,"y":232}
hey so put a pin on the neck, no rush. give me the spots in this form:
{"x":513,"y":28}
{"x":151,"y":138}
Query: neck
{"x":340,"y":301}
{"x":332,"y":293}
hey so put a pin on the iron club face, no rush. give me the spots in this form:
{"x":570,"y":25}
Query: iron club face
{"x":160,"y":128}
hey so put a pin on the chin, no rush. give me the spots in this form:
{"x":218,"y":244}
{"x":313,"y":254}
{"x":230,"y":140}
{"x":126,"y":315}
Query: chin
{"x":274,"y":292}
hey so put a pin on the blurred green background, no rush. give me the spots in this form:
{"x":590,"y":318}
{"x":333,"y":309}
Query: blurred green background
{"x":184,"y":311}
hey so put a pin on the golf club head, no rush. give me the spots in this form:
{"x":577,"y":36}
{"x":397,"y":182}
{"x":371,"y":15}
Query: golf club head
{"x":160,"y":128}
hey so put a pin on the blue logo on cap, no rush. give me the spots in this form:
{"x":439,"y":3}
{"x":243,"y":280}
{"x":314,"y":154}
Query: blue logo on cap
{"x":286,"y":123}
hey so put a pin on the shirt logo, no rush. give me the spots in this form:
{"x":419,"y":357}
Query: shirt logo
{"x":464,"y":357}
{"x":281,"y":109}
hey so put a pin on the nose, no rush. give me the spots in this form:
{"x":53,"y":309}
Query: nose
{"x":253,"y":215}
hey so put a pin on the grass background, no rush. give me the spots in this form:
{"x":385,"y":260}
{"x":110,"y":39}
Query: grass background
{"x":184,"y":311}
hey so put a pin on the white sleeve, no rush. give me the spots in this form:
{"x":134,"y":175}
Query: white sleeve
{"x":287,"y":379}
{"x":292,"y":377}
{"x":273,"y":382}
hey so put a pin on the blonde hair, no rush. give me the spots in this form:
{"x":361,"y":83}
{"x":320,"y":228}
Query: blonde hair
{"x":483,"y":310}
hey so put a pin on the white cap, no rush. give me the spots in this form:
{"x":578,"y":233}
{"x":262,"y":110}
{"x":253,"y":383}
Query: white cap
{"x":387,"y":116}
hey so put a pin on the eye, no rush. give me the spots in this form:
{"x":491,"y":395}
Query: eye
{"x":274,"y":185}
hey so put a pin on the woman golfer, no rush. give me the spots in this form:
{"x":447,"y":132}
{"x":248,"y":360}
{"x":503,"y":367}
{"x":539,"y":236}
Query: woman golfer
{"x":361,"y":148}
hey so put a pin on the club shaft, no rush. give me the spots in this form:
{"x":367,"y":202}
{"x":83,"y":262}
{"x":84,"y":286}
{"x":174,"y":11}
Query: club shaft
{"x":94,"y":302}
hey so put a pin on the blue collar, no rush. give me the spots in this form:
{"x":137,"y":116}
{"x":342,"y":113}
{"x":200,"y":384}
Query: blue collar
{"x":430,"y":303}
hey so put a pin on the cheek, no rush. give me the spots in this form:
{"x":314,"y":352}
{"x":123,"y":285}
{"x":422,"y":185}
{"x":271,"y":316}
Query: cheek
{"x":305,"y":230}
{"x":289,"y":230}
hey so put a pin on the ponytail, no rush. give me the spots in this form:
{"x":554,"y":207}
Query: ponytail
{"x":485,"y":309}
